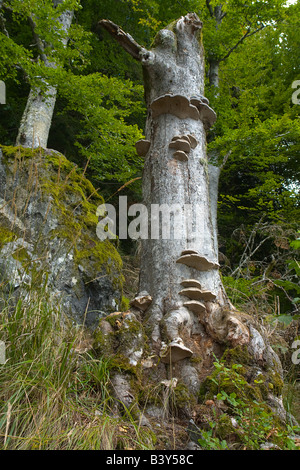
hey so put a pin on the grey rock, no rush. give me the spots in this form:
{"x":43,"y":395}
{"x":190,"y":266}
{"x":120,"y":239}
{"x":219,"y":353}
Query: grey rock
{"x":193,"y":446}
{"x":45,"y":217}
{"x":194,"y":432}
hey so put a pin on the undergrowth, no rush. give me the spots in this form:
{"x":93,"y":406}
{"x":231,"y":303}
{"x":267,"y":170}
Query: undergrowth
{"x":248,"y":424}
{"x":54,"y":394}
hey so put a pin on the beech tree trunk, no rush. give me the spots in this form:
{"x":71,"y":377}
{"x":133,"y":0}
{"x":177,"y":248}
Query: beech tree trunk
{"x":179,"y":269}
{"x":37,"y":117}
{"x":185,"y":308}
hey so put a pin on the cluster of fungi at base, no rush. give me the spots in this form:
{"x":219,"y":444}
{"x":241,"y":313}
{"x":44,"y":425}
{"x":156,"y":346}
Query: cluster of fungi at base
{"x":196,"y":108}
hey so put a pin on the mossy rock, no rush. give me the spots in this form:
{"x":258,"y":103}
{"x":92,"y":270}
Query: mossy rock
{"x":55,"y":205}
{"x":225,"y":430}
{"x":6,"y":236}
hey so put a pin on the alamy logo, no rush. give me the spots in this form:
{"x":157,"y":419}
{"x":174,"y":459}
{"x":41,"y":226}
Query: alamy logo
{"x":2,"y":352}
{"x":296,"y":354}
{"x":160,"y":221}
{"x":296,"y":94}
{"x":2,"y":92}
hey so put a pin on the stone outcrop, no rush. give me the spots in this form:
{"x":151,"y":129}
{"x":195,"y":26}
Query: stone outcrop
{"x":48,"y":235}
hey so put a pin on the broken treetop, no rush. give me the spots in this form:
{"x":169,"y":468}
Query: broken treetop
{"x":176,"y":58}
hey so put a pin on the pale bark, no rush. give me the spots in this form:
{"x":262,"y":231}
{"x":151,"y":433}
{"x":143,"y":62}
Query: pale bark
{"x":37,"y":117}
{"x":175,"y":66}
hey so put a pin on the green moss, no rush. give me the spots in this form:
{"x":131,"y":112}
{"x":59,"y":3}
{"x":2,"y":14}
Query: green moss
{"x":226,"y":382}
{"x":276,"y":382}
{"x":125,"y":304}
{"x":74,"y":202}
{"x":19,"y":152}
{"x":104,"y":344}
{"x":6,"y":236}
{"x":237,"y":355}
{"x":182,"y":397}
{"x":22,"y":255}
{"x":226,"y":430}
{"x":121,"y":363}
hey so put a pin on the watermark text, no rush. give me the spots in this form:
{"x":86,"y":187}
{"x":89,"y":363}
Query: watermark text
{"x":2,"y":352}
{"x":159,"y":221}
{"x":296,"y":94}
{"x":2,"y":92}
{"x":296,"y":354}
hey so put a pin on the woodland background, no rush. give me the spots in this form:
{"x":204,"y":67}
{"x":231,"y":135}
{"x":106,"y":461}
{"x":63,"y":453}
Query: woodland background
{"x":100,"y":114}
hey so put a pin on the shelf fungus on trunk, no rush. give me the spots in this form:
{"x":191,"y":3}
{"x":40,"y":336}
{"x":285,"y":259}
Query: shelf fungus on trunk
{"x":195,"y":306}
{"x":180,"y":144}
{"x":206,"y":113}
{"x":142,"y":301}
{"x":180,"y":156}
{"x":142,"y":147}
{"x":176,"y":351}
{"x":194,"y":260}
{"x":194,"y":293}
{"x":195,"y":99}
{"x":193,"y":141}
{"x":189,"y":252}
{"x":177,"y":105}
{"x":191,"y":283}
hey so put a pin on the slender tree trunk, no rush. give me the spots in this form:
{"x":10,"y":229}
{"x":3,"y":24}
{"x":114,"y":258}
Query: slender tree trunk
{"x":214,"y":64}
{"x":213,"y":73}
{"x":37,"y":117}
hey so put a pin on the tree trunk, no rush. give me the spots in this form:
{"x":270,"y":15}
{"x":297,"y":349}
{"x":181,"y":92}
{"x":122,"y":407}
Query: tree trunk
{"x":37,"y":117}
{"x":190,"y":316}
{"x":176,"y":67}
{"x":213,"y":73}
{"x":179,"y":269}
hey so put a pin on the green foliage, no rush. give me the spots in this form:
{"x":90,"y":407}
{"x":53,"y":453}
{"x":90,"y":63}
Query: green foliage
{"x":240,"y":290}
{"x":255,"y":423}
{"x":103,"y":106}
{"x":259,"y":125}
{"x":209,"y":441}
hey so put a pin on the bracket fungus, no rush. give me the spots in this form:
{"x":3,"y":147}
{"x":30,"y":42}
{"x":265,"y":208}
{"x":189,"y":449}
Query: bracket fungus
{"x":178,"y":105}
{"x":194,"y":260}
{"x":189,"y":252}
{"x":208,"y":296}
{"x":180,"y":144}
{"x":191,"y":283}
{"x":183,"y":137}
{"x":192,"y":293}
{"x":183,"y":145}
{"x":181,"y":156}
{"x":176,"y":351}
{"x":200,"y":98}
{"x":193,"y":141}
{"x":142,"y":146}
{"x":206,"y":113}
{"x":142,"y":301}
{"x":195,"y":306}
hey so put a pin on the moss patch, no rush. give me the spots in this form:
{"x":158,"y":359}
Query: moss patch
{"x":6,"y":236}
{"x":74,"y":202}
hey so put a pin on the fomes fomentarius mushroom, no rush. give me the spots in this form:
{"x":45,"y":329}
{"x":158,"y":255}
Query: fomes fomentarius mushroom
{"x":142,"y":146}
